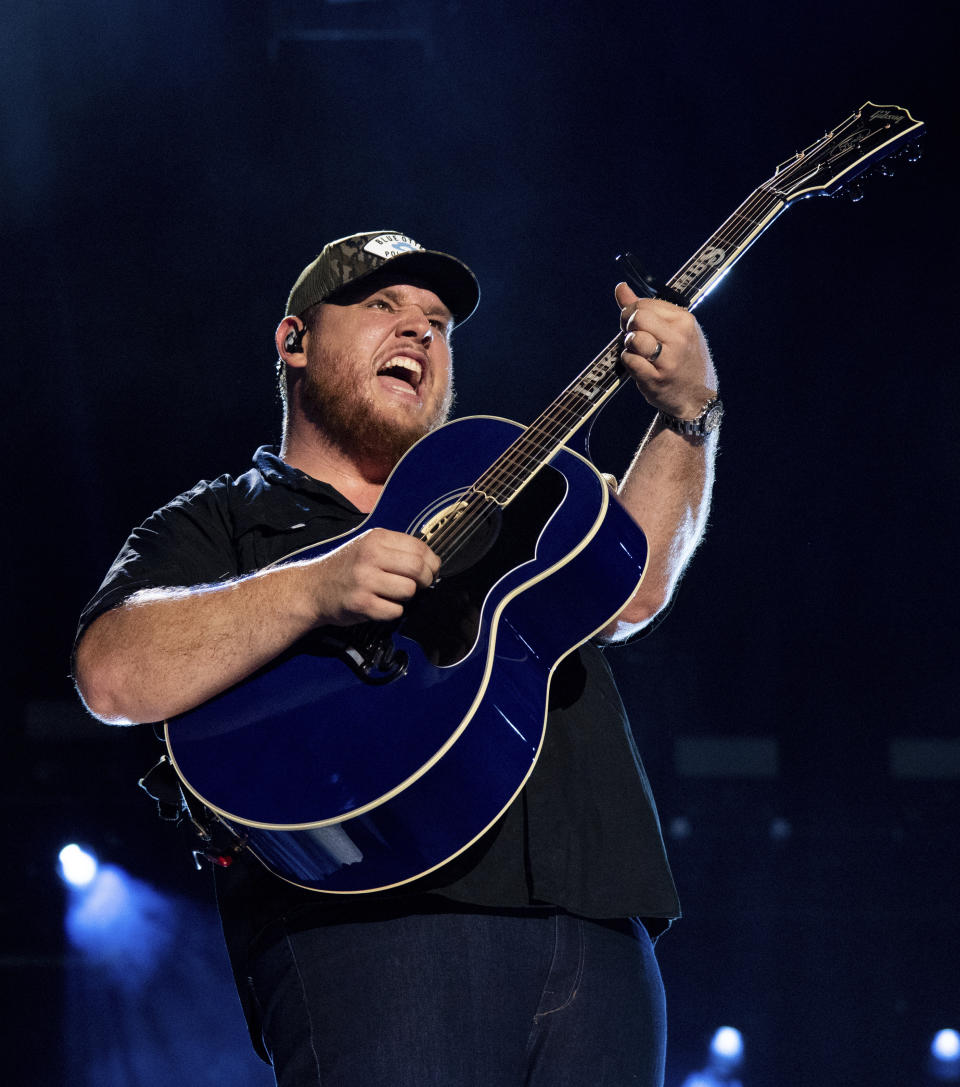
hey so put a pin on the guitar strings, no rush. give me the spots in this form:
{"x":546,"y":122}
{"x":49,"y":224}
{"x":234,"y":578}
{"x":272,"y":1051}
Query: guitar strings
{"x":513,"y":473}
{"x":534,"y":447}
{"x":531,"y":451}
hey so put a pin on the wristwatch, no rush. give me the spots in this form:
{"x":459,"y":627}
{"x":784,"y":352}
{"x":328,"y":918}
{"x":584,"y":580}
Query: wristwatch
{"x":705,"y":423}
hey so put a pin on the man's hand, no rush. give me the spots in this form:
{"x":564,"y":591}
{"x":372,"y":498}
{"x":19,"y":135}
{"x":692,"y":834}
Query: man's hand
{"x":667,"y":354}
{"x":667,"y":487}
{"x":371,"y":577}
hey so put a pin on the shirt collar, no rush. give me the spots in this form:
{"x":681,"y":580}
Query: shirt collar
{"x":277,"y":472}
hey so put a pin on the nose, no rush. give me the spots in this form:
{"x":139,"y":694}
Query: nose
{"x":415,"y":324}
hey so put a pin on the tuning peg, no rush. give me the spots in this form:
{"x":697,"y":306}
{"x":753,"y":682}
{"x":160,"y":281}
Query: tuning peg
{"x":886,"y":168}
{"x":914,"y":152}
{"x":854,"y":192}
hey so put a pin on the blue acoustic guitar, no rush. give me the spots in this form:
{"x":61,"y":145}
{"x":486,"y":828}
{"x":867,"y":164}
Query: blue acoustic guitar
{"x":365,"y":757}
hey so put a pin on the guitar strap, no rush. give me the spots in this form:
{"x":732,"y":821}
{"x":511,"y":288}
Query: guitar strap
{"x":161,"y":784}
{"x":220,"y":846}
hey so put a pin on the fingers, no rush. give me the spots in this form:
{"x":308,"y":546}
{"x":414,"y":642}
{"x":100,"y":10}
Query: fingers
{"x":625,"y":299}
{"x":644,"y":345}
{"x":402,"y":555}
{"x":648,"y":331}
{"x":649,"y":314}
{"x":666,"y":352}
{"x":371,"y":577}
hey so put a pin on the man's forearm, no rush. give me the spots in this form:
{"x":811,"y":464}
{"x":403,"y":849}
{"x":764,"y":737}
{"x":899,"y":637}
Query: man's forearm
{"x":165,"y":651}
{"x":667,"y":491}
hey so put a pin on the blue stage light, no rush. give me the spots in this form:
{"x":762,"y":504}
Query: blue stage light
{"x":724,"y":1057}
{"x":943,"y":1062}
{"x":727,"y":1043}
{"x":105,"y":901}
{"x":946,"y":1046}
{"x":120,"y":925}
{"x":78,"y":866}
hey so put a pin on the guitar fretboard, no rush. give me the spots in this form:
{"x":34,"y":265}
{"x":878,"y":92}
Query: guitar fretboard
{"x":866,"y":137}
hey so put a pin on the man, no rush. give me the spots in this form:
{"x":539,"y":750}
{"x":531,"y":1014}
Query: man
{"x":517,"y":962}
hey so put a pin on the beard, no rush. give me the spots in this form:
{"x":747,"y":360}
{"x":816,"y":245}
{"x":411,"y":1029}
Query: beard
{"x":353,"y":421}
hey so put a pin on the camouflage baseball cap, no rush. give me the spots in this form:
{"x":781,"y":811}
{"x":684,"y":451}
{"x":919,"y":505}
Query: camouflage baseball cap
{"x":350,"y":259}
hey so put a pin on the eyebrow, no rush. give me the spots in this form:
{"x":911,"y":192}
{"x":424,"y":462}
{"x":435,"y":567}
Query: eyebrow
{"x":396,"y":295}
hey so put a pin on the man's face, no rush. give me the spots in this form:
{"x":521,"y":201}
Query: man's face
{"x":378,"y":369}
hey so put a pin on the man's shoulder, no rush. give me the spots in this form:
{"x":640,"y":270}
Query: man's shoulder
{"x":208,"y":499}
{"x":228,"y":491}
{"x":268,"y":499}
{"x":226,"y":488}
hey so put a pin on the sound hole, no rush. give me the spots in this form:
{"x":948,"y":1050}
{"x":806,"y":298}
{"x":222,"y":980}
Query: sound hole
{"x":444,"y":620}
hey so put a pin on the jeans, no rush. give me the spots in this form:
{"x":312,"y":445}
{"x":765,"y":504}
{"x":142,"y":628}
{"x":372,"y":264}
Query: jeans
{"x":524,"y":998}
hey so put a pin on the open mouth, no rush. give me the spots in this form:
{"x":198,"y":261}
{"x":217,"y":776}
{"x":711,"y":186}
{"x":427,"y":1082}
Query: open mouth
{"x":402,"y":368}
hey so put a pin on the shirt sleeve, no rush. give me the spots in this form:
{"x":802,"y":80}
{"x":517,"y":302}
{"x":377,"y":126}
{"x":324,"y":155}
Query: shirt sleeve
{"x":186,"y":543}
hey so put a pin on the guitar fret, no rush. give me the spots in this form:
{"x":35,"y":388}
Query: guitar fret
{"x":711,"y":262}
{"x":504,"y":480}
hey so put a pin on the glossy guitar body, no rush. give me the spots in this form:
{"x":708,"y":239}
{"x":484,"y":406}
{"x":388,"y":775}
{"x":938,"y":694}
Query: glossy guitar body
{"x":345,"y":785}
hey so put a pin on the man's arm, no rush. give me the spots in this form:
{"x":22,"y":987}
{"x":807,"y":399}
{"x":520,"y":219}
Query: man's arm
{"x":668,"y":485}
{"x":164,"y":651}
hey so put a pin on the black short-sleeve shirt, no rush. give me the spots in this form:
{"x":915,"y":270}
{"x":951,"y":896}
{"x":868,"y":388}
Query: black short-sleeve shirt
{"x":583,"y":834}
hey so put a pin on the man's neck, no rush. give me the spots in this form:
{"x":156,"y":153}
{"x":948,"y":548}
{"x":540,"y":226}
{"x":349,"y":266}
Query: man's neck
{"x":359,"y":482}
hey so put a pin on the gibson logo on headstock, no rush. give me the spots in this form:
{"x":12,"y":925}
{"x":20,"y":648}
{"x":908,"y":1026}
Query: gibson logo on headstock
{"x":709,"y":257}
{"x":884,"y":115}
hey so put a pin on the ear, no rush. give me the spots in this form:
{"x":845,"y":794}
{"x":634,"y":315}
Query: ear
{"x":289,"y":340}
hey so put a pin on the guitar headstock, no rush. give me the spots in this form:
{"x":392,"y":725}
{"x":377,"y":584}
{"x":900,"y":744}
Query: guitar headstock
{"x":871,"y":135}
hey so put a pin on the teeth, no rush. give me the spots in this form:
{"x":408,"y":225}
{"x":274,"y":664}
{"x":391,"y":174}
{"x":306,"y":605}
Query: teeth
{"x":402,"y":362}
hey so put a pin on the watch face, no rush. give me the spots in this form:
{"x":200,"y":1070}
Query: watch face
{"x":712,"y":419}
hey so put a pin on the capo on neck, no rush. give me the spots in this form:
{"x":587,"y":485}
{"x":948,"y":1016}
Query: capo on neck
{"x":646,"y":284}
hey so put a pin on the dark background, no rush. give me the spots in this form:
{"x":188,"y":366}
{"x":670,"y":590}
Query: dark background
{"x":167,"y":169}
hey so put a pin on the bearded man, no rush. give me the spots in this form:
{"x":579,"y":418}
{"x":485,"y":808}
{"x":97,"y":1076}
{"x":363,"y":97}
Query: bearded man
{"x":527,"y":958}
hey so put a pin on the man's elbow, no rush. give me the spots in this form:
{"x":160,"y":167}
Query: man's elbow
{"x":639,"y":611}
{"x":98,"y":683}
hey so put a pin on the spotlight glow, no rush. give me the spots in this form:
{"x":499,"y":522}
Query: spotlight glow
{"x":728,"y":1043}
{"x":77,"y":867}
{"x":946,"y":1045}
{"x":121,"y":925}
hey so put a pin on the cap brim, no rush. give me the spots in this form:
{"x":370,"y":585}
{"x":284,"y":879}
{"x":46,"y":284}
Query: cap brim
{"x":450,"y":279}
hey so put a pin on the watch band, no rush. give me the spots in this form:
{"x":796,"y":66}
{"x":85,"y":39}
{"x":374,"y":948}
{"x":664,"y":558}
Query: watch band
{"x":705,"y":423}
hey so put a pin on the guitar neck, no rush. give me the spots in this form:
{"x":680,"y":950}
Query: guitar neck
{"x":597,"y":383}
{"x":866,"y":137}
{"x":711,"y":262}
